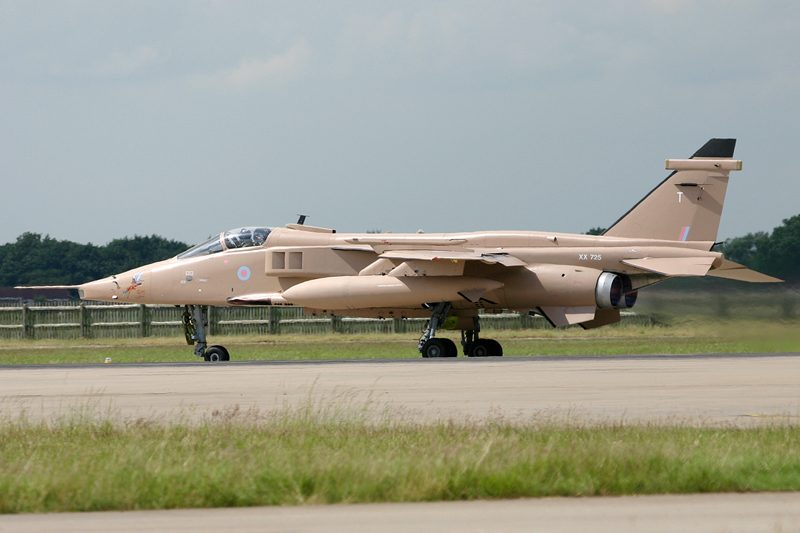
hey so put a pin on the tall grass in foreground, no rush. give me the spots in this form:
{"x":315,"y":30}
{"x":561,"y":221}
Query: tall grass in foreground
{"x":89,"y":463}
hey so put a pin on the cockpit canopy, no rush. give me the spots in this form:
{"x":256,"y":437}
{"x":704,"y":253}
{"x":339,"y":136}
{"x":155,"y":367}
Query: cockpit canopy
{"x":229,"y":240}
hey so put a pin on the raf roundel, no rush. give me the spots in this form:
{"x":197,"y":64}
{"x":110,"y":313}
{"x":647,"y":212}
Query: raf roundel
{"x":244,"y":273}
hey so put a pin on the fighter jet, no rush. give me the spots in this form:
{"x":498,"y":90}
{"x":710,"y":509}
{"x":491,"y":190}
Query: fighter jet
{"x":451,"y":277}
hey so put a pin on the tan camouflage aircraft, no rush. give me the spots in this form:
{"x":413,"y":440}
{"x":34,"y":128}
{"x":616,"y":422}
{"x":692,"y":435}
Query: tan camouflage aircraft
{"x":568,"y":279}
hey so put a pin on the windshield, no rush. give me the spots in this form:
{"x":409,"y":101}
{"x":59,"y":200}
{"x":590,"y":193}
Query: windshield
{"x":235,"y":238}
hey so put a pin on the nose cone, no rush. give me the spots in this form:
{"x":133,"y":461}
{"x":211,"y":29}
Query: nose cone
{"x":104,"y":290}
{"x":127,"y":287}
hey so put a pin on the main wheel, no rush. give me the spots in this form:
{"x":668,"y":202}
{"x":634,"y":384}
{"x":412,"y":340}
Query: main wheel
{"x":480,"y":348}
{"x":436,"y":348}
{"x":452,"y":350}
{"x":495,"y":349}
{"x":216,"y":354}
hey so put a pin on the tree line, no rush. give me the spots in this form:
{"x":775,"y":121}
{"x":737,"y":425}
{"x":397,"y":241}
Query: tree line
{"x":776,"y":253}
{"x":37,"y":260}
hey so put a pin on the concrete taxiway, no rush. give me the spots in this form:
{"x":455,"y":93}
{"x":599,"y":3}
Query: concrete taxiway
{"x":763,"y":512}
{"x":708,"y":389}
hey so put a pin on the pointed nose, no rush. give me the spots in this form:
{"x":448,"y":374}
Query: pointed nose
{"x":104,"y":290}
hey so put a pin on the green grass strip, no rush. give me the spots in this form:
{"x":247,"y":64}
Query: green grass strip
{"x":90,"y":464}
{"x":735,"y":336}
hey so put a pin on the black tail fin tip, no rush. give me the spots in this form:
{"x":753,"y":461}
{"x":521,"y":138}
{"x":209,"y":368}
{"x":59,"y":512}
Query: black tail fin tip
{"x":717,"y":148}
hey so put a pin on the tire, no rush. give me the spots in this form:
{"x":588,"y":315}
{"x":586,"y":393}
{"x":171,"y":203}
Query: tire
{"x":480,"y":348}
{"x":216,"y":354}
{"x":435,"y":348}
{"x":452,"y":349}
{"x":495,"y":349}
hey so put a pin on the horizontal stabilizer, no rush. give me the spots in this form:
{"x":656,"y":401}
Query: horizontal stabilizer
{"x":673,"y":266}
{"x":560,"y":317}
{"x":731,"y":270}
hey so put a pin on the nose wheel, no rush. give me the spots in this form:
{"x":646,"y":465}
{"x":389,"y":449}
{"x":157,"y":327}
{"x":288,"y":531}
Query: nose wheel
{"x":216,"y":354}
{"x":195,"y":325}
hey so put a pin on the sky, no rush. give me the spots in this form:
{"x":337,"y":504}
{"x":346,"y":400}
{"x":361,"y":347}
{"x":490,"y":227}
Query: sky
{"x":187,"y":118}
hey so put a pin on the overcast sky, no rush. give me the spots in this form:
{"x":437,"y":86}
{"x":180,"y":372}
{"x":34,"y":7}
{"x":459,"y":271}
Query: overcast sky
{"x":183,"y":119}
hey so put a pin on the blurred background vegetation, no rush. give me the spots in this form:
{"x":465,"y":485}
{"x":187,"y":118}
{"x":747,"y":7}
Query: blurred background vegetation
{"x":37,"y":260}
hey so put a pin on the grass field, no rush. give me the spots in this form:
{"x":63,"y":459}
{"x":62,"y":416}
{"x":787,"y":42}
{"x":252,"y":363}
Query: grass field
{"x":685,"y":337}
{"x":305,"y":458}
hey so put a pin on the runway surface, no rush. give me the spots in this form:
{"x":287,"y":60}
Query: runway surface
{"x":765,"y":512}
{"x":712,"y":389}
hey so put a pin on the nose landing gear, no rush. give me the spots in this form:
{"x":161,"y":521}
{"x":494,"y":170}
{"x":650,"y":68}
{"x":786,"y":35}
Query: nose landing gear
{"x":195,"y":325}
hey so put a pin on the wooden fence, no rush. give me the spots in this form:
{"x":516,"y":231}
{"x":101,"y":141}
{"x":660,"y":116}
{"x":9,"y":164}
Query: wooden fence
{"x":73,"y":320}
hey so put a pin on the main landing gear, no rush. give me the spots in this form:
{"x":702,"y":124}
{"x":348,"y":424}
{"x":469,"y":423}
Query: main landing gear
{"x":195,"y":324}
{"x":473,"y":345}
{"x":195,"y":327}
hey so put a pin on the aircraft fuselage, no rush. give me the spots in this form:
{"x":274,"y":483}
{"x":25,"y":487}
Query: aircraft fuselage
{"x":554,"y":269}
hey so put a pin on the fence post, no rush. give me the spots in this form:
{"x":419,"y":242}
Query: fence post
{"x":82,"y":319}
{"x":336,"y":324}
{"x":212,"y":320}
{"x":143,"y":322}
{"x":274,"y":318}
{"x":25,"y":326}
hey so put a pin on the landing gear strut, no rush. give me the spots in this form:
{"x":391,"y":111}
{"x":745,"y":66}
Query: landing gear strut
{"x":430,"y":346}
{"x":195,"y":324}
{"x":473,"y":345}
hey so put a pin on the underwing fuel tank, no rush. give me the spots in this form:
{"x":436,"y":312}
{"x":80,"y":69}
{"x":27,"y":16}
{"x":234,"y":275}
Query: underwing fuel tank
{"x":354,"y":292}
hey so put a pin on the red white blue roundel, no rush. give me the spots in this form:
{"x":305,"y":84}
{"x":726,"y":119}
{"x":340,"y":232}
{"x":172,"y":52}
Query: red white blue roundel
{"x":243,"y":273}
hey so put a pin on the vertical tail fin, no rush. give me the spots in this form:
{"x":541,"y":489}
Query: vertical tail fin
{"x":688,"y":204}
